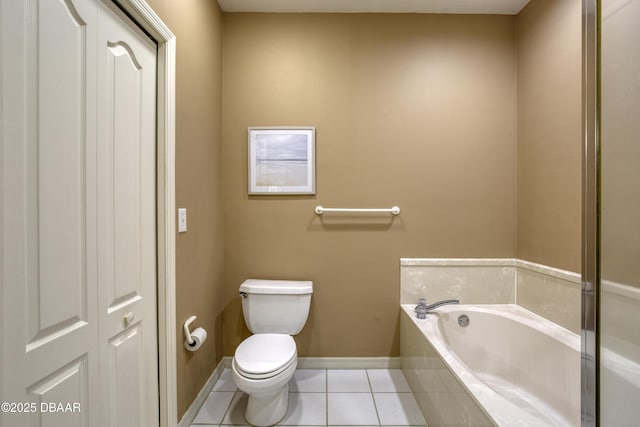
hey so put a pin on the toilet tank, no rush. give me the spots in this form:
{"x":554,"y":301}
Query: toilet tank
{"x":275,"y":306}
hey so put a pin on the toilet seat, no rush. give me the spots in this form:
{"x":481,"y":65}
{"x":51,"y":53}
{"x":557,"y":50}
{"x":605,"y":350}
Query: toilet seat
{"x":267,"y":375}
{"x":263,"y":356}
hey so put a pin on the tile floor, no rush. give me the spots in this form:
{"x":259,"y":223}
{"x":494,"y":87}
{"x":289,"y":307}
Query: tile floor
{"x":325,"y":397}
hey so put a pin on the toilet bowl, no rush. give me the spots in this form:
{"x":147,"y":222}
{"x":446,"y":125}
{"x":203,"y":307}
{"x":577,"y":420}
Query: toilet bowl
{"x":262,"y":367}
{"x":263,"y":364}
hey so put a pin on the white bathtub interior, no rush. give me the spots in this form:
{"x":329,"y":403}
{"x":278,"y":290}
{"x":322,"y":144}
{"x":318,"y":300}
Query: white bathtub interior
{"x":516,"y":367}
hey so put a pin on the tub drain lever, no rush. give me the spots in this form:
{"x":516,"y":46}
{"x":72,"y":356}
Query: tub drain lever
{"x":463,"y":320}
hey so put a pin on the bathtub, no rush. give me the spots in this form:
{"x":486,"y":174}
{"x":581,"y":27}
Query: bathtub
{"x":508,"y":367}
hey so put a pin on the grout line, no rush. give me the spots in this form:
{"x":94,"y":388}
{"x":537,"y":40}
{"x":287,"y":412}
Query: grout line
{"x":373,"y":397}
{"x":326,"y":395}
{"x":229,"y":406}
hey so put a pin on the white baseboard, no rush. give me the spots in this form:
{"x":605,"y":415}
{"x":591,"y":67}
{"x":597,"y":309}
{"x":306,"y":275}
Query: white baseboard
{"x":349,"y":363}
{"x":226,"y":362}
{"x":191,"y":413}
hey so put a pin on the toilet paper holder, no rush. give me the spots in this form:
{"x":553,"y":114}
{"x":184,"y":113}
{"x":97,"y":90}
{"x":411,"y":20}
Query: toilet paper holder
{"x":187,"y":332}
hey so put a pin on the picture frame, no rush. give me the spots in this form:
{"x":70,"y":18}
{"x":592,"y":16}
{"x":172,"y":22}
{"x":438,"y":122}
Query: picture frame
{"x":282,"y":160}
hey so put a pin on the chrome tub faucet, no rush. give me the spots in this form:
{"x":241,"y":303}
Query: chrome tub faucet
{"x":422,"y":308}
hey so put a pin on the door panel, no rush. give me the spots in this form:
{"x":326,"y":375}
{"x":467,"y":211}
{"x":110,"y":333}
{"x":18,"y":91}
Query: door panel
{"x":126,"y":374}
{"x":55,"y":172}
{"x":67,"y":383}
{"x":126,"y":211}
{"x":50,"y":345}
{"x":123,"y":99}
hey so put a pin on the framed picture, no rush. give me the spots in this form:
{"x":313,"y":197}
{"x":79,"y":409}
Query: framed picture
{"x":282,"y":160}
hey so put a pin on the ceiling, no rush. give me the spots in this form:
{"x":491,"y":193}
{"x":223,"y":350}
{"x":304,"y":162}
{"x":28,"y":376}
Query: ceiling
{"x":505,"y":7}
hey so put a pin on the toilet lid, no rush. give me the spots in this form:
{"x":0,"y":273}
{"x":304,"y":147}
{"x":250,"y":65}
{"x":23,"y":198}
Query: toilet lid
{"x":265,"y":353}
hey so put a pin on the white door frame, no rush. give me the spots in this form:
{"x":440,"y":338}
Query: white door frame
{"x":147,"y":19}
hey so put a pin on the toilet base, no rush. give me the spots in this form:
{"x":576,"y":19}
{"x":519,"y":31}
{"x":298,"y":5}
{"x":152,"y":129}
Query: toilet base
{"x":265,"y":410}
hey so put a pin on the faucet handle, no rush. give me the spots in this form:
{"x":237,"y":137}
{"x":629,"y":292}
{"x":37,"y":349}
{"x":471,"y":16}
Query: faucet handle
{"x":421,"y":309}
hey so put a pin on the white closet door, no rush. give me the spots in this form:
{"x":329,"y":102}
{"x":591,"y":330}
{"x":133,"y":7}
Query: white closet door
{"x":49,"y":315}
{"x":77,"y":217}
{"x":126,"y":221}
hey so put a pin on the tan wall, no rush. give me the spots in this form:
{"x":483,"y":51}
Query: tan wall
{"x":198,"y":28}
{"x":549,"y":132}
{"x":414,"y":110}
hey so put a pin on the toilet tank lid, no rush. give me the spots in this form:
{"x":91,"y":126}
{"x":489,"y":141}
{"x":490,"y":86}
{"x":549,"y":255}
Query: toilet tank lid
{"x":285,"y":287}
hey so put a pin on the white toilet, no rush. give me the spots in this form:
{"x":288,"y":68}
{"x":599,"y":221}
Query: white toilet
{"x":263,"y":364}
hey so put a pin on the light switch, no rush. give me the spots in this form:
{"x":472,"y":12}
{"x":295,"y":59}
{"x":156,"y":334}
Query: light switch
{"x":182,"y":220}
